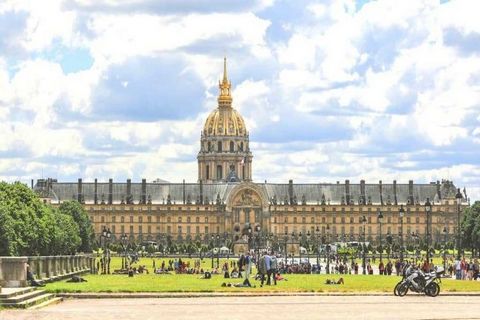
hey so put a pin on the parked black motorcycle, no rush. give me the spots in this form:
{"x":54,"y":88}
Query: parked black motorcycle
{"x":417,"y":281}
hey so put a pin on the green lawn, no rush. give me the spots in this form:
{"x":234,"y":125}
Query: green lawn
{"x":193,"y":283}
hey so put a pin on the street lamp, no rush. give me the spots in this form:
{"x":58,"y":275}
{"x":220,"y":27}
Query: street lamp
{"x":218,"y":250}
{"x":459,"y":198}
{"x":327,"y":249}
{"x":300,"y":247}
{"x":428,"y":211}
{"x":213,"y":244}
{"x":293,"y":251}
{"x":308,"y":246}
{"x":364,"y":222}
{"x":445,"y":248}
{"x":124,"y":238}
{"x":401,"y":212}
{"x":257,"y":241}
{"x":318,"y":246}
{"x":286,"y":242}
{"x":106,"y":235}
{"x":380,"y":218}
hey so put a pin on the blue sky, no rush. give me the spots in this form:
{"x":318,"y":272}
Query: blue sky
{"x":330,"y":90}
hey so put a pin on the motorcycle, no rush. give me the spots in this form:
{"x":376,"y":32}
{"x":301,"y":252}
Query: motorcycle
{"x":418,"y":282}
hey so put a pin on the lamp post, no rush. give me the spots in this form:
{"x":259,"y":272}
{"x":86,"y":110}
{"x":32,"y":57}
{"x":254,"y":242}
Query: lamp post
{"x":257,"y":240}
{"x":458,"y":197}
{"x":327,"y":249}
{"x":415,"y":238}
{"x":213,"y":244}
{"x":380,"y":219}
{"x":300,"y":247}
{"x":286,"y":242}
{"x":106,"y":235}
{"x":364,"y":222}
{"x":218,"y":250}
{"x":401,"y":212}
{"x":428,"y":211}
{"x":317,"y":243}
{"x":308,"y":246}
{"x":445,"y":248}
{"x":124,"y":239}
{"x":293,"y":251}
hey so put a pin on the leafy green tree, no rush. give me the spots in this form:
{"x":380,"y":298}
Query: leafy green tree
{"x":30,"y":227}
{"x":470,"y":226}
{"x":77,"y":212}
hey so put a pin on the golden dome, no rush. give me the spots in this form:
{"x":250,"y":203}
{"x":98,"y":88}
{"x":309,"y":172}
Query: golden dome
{"x":224,"y":121}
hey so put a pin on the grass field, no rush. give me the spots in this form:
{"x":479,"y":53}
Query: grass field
{"x":193,"y":283}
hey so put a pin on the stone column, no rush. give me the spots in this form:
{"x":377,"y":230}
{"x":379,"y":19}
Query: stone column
{"x":49,"y":267}
{"x":55,"y":267}
{"x":13,"y":272}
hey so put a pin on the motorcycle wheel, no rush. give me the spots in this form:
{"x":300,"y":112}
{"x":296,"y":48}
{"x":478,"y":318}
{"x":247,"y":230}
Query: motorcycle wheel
{"x":432,"y":290}
{"x":402,"y":290}
{"x":395,"y":290}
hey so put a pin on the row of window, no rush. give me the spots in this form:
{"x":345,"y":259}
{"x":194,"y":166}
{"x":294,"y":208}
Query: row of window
{"x":149,"y":219}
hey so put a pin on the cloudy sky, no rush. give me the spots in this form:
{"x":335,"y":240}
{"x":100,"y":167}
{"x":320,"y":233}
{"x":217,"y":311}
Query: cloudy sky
{"x":330,"y":90}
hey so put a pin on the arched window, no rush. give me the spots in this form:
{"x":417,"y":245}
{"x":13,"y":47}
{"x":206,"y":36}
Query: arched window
{"x":219,"y":172}
{"x":232,"y":146}
{"x":219,"y":146}
{"x":208,"y":172}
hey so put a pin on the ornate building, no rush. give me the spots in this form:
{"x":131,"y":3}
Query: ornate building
{"x":224,"y":151}
{"x":226,"y":204}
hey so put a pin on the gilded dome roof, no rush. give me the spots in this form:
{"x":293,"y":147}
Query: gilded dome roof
{"x":224,"y":121}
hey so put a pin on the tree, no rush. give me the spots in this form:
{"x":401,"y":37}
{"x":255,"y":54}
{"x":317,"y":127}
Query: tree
{"x":470,"y":226}
{"x":30,"y":227}
{"x":77,"y":212}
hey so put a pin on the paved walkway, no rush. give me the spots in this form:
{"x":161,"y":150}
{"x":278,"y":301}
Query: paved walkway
{"x":294,"y":307}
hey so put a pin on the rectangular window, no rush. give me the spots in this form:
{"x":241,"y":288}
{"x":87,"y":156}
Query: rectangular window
{"x":149,"y":219}
{"x":102,"y":219}
{"x":131,"y":229}
{"x":206,"y":230}
{"x":158,"y":219}
{"x":197,"y":230}
{"x":149,"y":229}
{"x":140,"y":219}
{"x":122,"y":219}
{"x":113,"y":229}
{"x":179,"y":230}
{"x":188,"y":229}
{"x":169,"y":229}
{"x":131,"y":219}
{"x":197,"y":220}
{"x":140,"y":231}
{"x":113,"y":219}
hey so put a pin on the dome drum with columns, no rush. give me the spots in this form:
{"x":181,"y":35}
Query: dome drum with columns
{"x":224,"y":143}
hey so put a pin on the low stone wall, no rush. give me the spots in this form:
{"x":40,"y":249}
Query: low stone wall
{"x":13,"y":272}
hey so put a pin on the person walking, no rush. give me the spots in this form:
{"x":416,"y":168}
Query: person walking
{"x":273,"y":270}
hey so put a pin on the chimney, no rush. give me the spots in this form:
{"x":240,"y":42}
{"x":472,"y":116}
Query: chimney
{"x":110,"y":191}
{"x":347,"y":192}
{"x":184,"y":200}
{"x":395,"y":192}
{"x":144,"y":191}
{"x":129,"y":191}
{"x":380,"y":189}
{"x":362,"y":191}
{"x":79,"y":190}
{"x":95,"y":192}
{"x":290,"y":190}
{"x":410,"y":192}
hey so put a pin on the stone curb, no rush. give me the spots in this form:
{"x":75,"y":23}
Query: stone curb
{"x":142,"y":295}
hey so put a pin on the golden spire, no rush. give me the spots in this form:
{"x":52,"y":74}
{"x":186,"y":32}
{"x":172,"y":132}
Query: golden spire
{"x":224,"y":99}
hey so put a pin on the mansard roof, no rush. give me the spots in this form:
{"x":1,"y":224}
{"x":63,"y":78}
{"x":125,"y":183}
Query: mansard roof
{"x":278,"y":193}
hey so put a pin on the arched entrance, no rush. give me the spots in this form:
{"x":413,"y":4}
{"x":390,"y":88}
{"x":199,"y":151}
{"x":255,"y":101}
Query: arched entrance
{"x":248,"y":209}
